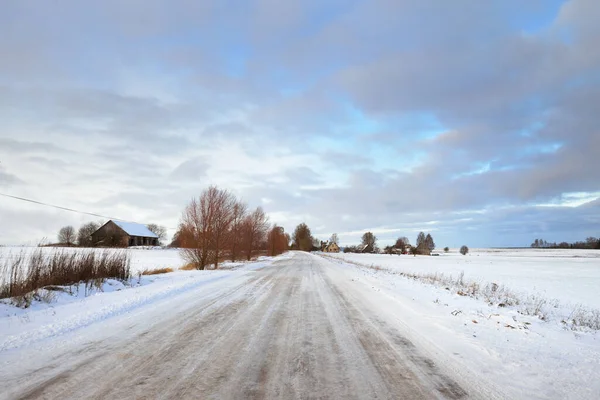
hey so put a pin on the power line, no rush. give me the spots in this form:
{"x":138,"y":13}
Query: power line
{"x":67,"y":209}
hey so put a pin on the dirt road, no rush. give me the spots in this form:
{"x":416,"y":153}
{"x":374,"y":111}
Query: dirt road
{"x":287,"y":331}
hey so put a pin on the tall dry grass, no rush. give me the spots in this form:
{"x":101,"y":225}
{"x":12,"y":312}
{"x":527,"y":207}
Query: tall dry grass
{"x":26,"y":273}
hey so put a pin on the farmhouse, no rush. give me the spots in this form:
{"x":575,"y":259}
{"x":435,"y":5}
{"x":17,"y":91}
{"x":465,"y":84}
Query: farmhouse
{"x":124,"y":234}
{"x":366,"y":248}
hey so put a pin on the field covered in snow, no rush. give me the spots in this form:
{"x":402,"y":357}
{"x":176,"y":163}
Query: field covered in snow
{"x":521,"y":353}
{"x":570,"y":276}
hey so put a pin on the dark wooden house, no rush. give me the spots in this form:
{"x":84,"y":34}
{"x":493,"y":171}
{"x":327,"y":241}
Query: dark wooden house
{"x":366,"y":248}
{"x":124,"y":234}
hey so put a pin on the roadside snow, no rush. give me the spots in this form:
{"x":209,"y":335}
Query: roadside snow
{"x":526,"y":356}
{"x":70,"y":310}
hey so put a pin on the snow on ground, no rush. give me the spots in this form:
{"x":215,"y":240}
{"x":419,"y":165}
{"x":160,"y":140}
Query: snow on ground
{"x":77,"y":307}
{"x":570,"y":276}
{"x":520,"y":354}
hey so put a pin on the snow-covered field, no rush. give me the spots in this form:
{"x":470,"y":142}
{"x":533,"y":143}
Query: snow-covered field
{"x":522,"y":355}
{"x":569,"y":276}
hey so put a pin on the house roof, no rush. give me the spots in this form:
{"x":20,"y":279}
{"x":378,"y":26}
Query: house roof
{"x":133,"y":229}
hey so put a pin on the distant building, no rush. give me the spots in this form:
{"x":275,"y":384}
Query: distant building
{"x":366,"y":248}
{"x":332,"y":248}
{"x":124,"y":234}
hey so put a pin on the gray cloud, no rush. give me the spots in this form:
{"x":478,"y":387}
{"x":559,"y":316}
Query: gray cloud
{"x":8,"y":179}
{"x":192,"y":169}
{"x":319,"y":111}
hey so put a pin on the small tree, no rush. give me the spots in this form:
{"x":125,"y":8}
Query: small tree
{"x":240,"y":210}
{"x":302,"y":238}
{"x":414,"y":250}
{"x":401,"y":244}
{"x":421,"y":243}
{"x":446,"y":249}
{"x":277,"y":241}
{"x":334,"y":239}
{"x":159,"y":231}
{"x":464,"y":250}
{"x":66,"y":235}
{"x":350,"y":249}
{"x":369,"y":239}
{"x":84,"y":235}
{"x":254,"y":229}
{"x":429,"y":243}
{"x":388,"y":249}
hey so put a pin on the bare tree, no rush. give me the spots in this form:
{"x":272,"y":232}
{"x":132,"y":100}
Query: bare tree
{"x":302,"y":238}
{"x":429,"y":243}
{"x":401,"y":244}
{"x":334,"y":239}
{"x":277,"y":241}
{"x":197,"y":222}
{"x":224,"y":203}
{"x":240,"y":210}
{"x":464,"y":250}
{"x":369,"y":239}
{"x":66,"y":235}
{"x":255,"y":228}
{"x":84,"y":235}
{"x":159,"y":231}
{"x":414,"y":250}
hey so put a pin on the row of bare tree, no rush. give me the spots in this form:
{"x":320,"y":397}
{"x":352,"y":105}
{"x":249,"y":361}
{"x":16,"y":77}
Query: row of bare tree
{"x":217,"y":225}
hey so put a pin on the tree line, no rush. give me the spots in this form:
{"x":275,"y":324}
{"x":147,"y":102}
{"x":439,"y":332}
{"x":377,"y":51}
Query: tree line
{"x":589,"y":243}
{"x":218,"y":225}
{"x":424,"y":245}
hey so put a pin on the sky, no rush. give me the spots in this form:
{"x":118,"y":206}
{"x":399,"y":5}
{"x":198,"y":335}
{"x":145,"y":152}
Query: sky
{"x":475,"y":121}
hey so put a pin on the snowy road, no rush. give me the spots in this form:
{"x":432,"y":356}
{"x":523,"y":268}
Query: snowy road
{"x":296,"y":329}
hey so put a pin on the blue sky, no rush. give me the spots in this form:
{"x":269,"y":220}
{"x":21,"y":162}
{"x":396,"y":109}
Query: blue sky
{"x":475,"y":121}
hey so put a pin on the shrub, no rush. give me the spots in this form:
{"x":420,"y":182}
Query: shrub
{"x":25,"y":274}
{"x":464,"y":250}
{"x":157,"y":271}
{"x":446,"y":249}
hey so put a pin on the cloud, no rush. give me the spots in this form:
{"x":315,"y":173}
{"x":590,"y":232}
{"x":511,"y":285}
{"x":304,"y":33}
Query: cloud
{"x":8,"y":179}
{"x":395,"y":116}
{"x":192,"y":169}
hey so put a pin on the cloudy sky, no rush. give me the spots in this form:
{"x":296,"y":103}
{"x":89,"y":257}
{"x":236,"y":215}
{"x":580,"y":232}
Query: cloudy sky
{"x":477,"y":121}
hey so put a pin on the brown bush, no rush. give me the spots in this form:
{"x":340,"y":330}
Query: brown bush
{"x":25,"y":274}
{"x":157,"y":271}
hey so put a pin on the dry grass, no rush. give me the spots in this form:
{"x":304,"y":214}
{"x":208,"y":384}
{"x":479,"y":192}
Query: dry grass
{"x":157,"y":271}
{"x":24,"y":274}
{"x":188,"y":267}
